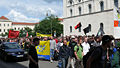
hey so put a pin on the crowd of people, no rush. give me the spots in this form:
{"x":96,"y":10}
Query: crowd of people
{"x":78,"y":51}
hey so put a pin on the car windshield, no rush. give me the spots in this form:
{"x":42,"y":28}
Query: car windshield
{"x":12,"y":46}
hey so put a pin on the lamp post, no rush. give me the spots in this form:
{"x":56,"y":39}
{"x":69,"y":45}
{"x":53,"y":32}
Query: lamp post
{"x":50,"y":20}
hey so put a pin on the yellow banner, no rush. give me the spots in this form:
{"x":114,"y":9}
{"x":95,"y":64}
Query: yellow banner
{"x":43,"y":35}
{"x":43,"y":48}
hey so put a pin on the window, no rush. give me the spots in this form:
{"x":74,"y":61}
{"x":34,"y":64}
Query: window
{"x":116,"y":3}
{"x":79,"y":29}
{"x":0,"y":30}
{"x":18,"y":28}
{"x":15,"y":28}
{"x":70,"y":1}
{"x":102,"y":6}
{"x":8,"y":24}
{"x":79,"y":0}
{"x":71,"y":12}
{"x":70,"y":29}
{"x":4,"y":30}
{"x":4,"y":24}
{"x":101,"y":25}
{"x":90,"y":8}
{"x":79,"y":10}
{"x":89,"y":27}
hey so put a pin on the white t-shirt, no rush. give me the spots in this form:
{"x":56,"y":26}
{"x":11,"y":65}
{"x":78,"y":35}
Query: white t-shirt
{"x":86,"y":47}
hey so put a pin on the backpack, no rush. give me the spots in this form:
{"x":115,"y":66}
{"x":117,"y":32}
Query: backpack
{"x":85,"y":58}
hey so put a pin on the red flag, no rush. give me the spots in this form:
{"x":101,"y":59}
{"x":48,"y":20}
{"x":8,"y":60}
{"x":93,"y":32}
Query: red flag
{"x":13,"y":34}
{"x":27,"y":34}
{"x":75,"y":27}
{"x":78,"y":25}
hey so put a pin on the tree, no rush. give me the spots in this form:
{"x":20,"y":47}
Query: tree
{"x":26,"y":29}
{"x":44,"y":27}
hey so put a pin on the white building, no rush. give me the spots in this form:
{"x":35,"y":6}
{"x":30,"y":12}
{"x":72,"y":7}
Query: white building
{"x":87,"y":12}
{"x":6,"y":24}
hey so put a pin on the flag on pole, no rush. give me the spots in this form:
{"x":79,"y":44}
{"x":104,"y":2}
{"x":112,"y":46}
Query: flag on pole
{"x":78,"y":25}
{"x":13,"y":34}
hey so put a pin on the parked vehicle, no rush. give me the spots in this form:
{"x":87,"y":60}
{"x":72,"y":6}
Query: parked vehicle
{"x":12,"y":50}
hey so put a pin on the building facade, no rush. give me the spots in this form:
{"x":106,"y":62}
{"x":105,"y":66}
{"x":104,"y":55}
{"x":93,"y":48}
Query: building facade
{"x":89,"y":12}
{"x":6,"y":24}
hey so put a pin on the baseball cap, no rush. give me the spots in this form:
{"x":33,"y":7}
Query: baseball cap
{"x":72,"y":37}
{"x":107,"y":38}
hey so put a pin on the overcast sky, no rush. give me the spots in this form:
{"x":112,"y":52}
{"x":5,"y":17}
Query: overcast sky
{"x":30,"y":10}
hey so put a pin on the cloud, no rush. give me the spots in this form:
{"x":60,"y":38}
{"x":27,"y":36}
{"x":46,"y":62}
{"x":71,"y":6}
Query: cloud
{"x":37,"y":11}
{"x":33,"y":8}
{"x":19,"y":17}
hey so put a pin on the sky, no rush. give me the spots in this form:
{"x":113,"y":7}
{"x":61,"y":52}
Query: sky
{"x":31,"y":11}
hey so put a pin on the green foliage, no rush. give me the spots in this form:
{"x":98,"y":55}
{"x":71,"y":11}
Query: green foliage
{"x":118,"y":44}
{"x":44,"y":27}
{"x":26,"y":29}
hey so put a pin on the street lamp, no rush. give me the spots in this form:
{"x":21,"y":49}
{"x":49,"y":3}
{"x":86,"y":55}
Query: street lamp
{"x":50,"y":20}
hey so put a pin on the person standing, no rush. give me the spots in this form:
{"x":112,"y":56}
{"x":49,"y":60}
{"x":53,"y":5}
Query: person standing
{"x":52,"y":48}
{"x":85,"y":46}
{"x":72,"y":45}
{"x":78,"y":51}
{"x":32,"y":54}
{"x":99,"y":55}
{"x":64,"y":53}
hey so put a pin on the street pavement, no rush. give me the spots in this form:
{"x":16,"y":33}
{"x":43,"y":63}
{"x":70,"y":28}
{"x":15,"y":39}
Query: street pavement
{"x":24,"y":64}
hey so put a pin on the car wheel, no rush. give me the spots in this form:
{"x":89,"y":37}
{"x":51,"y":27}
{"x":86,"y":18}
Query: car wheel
{"x":5,"y":58}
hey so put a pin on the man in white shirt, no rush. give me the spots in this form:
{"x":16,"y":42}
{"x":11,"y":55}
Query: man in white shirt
{"x":85,"y":46}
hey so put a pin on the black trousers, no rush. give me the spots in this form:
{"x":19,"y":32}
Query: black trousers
{"x":33,"y":66}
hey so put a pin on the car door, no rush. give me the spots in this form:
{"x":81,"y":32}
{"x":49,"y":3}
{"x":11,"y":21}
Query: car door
{"x":2,"y":50}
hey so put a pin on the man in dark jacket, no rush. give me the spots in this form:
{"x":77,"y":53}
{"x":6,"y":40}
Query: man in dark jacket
{"x":64,"y":54}
{"x":72,"y":44}
{"x":98,"y":57}
{"x":33,"y":54}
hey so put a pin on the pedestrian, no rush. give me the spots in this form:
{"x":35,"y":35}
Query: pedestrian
{"x":78,"y":51}
{"x":72,"y":44}
{"x":33,"y":54}
{"x":52,"y":48}
{"x":85,"y":46}
{"x":98,"y":57}
{"x":64,"y":54}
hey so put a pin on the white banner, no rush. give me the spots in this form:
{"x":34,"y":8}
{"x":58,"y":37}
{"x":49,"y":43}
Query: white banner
{"x":116,"y":23}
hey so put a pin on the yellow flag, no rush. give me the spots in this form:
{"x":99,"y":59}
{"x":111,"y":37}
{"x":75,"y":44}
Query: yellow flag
{"x":43,"y":35}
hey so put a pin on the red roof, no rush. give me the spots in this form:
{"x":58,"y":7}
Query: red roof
{"x":60,"y":19}
{"x":2,"y":17}
{"x":23,"y":23}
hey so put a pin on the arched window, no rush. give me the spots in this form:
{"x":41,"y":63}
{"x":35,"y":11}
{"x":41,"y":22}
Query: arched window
{"x":70,"y":1}
{"x":116,"y":3}
{"x":15,"y":28}
{"x":79,"y":0}
{"x":102,"y":6}
{"x":90,"y":8}
{"x":101,"y":25}
{"x":79,"y":10}
{"x":89,"y":27}
{"x":71,"y":12}
{"x":70,"y":29}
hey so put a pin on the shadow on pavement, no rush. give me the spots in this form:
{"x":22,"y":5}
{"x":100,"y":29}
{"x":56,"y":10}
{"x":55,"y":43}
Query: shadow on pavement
{"x":12,"y":64}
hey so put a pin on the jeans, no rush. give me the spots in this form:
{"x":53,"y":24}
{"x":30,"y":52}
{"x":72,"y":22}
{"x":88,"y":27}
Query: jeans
{"x":51,"y":53}
{"x":64,"y":62}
